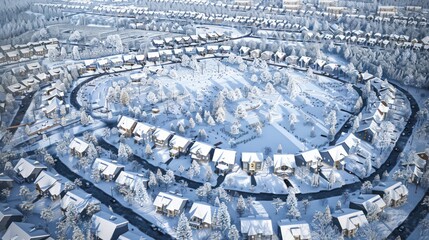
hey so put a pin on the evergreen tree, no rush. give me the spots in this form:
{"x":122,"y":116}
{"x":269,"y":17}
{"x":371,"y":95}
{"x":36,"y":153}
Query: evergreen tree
{"x":183,"y":230}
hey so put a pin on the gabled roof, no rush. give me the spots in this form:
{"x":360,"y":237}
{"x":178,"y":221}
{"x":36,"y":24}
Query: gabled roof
{"x":107,"y":166}
{"x":6,"y":211}
{"x":129,"y":179}
{"x":143,"y":128}
{"x":25,"y":167}
{"x":126,"y":123}
{"x":368,"y":125}
{"x":24,"y":231}
{"x":78,"y":145}
{"x":336,"y":153}
{"x":252,"y":157}
{"x":105,"y":224}
{"x":161,"y":134}
{"x":294,"y":229}
{"x":170,"y":201}
{"x":203,"y":211}
{"x":311,"y":155}
{"x":349,"y":219}
{"x":365,"y":199}
{"x":395,"y":189}
{"x":179,"y":141}
{"x":45,"y":180}
{"x":130,"y":236}
{"x":224,"y":156}
{"x":305,"y":59}
{"x":256,"y":225}
{"x":201,"y":148}
{"x":284,"y":160}
{"x":79,"y":198}
{"x":350,"y":140}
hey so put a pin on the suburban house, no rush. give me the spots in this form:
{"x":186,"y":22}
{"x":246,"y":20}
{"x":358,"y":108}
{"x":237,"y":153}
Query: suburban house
{"x":280,"y":56}
{"x":29,"y":169}
{"x":386,"y":11}
{"x":334,"y":156}
{"x":126,"y":126}
{"x":79,"y":199}
{"x":108,"y":226}
{"x":49,"y":184}
{"x":363,"y":202}
{"x":267,"y":55}
{"x":367,"y":131}
{"x":311,"y":158}
{"x":90,"y":64}
{"x":78,"y":147}
{"x":5,"y":181}
{"x":349,"y":221}
{"x":9,"y":215}
{"x":170,"y":204}
{"x":304,"y":61}
{"x":293,"y":5}
{"x":179,"y":145}
{"x":419,"y":166}
{"x":161,"y":137}
{"x":143,"y":131}
{"x":349,"y":142}
{"x":24,"y":231}
{"x":292,"y":59}
{"x":201,"y":215}
{"x":129,"y":235}
{"x":256,"y":53}
{"x":398,"y":192}
{"x":244,"y":51}
{"x":109,"y":169}
{"x":153,"y":56}
{"x":294,"y":230}
{"x":252,"y":161}
{"x":319,"y":64}
{"x":201,"y":152}
{"x":130,"y":179}
{"x":224,"y":160}
{"x":256,"y":227}
{"x":284,"y":164}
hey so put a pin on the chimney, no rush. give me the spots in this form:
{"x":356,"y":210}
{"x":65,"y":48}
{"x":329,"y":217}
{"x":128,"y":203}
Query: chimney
{"x":112,"y":217}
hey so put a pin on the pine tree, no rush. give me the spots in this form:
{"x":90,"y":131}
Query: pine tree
{"x":241,"y":205}
{"x":77,"y":234}
{"x":152,"y":180}
{"x":291,"y":199}
{"x":183,"y":230}
{"x":141,"y":197}
{"x":191,"y":123}
{"x":233,"y":233}
{"x":148,"y":150}
{"x":223,"y":218}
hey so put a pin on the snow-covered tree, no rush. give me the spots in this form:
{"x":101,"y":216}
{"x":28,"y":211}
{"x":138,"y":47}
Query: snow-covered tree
{"x":241,"y":205}
{"x":223,"y":218}
{"x":278,"y":204}
{"x":323,"y":227}
{"x":148,"y":149}
{"x":183,"y":230}
{"x":211,"y":121}
{"x":153,"y":182}
{"x":233,"y":233}
{"x":151,"y":98}
{"x":192,"y":123}
{"x":47,"y":215}
{"x":366,"y":187}
{"x":291,"y":199}
{"x":141,"y":195}
{"x":294,"y":212}
{"x":202,"y":134}
{"x":77,"y":233}
{"x":241,"y":111}
{"x":198,"y":118}
{"x":124,"y":97}
{"x":95,"y":175}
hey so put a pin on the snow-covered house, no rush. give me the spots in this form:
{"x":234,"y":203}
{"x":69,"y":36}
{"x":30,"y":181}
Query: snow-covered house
{"x":5,"y":181}
{"x":178,"y":52}
{"x":29,"y":169}
{"x":211,"y":49}
{"x":224,"y":160}
{"x":367,"y":131}
{"x":49,"y":184}
{"x":78,"y":147}
{"x":143,"y":131}
{"x":161,"y":137}
{"x":349,"y":221}
{"x":108,"y":226}
{"x":130,"y":179}
{"x":40,"y":51}
{"x":319,"y":64}
{"x":266,"y":55}
{"x":90,"y":64}
{"x":165,"y":54}
{"x":16,"y":89}
{"x":56,"y":73}
{"x":244,"y":51}
{"x":304,"y":61}
{"x":252,"y":161}
{"x":126,"y":126}
{"x":25,"y":231}
{"x":284,"y":164}
{"x":153,"y":56}
{"x":201,"y":215}
{"x":280,"y":56}
{"x":225,"y":49}
{"x":363,"y":202}
{"x":256,"y":227}
{"x":158,"y":42}
{"x":169,"y":204}
{"x":79,"y":199}
{"x":129,"y":235}
{"x":348,"y":141}
{"x":140,"y":59}
{"x":109,"y":169}
{"x":419,"y":166}
{"x":13,"y":56}
{"x":201,"y":152}
{"x":2,"y":58}
{"x":34,"y":67}
{"x":331,"y":68}
{"x":256,"y":53}
{"x":179,"y":145}
{"x":9,"y":215}
{"x":26,"y":52}
{"x":294,"y":230}
{"x":334,"y":156}
{"x":292,"y":59}
{"x":117,"y":61}
{"x":385,"y":11}
{"x":129,"y":59}
{"x":398,"y":192}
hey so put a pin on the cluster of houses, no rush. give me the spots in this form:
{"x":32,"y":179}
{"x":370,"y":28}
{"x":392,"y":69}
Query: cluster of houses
{"x":105,"y":225}
{"x":15,"y":53}
{"x":195,"y":39}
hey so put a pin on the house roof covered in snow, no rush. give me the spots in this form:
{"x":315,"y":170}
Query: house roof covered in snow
{"x":224,"y":156}
{"x":130,"y":236}
{"x":252,"y":157}
{"x":78,"y":145}
{"x":170,"y":201}
{"x":47,"y":181}
{"x":161,"y":134}
{"x":143,"y":129}
{"x":395,"y":189}
{"x":350,"y":219}
{"x":129,"y":179}
{"x":25,"y":167}
{"x":6,"y":211}
{"x":365,"y":199}
{"x":151,"y":55}
{"x":336,"y":153}
{"x":294,"y":229}
{"x":203,"y":211}
{"x":256,"y":225}
{"x":105,"y":224}
{"x":201,"y":148}
{"x":350,"y":140}
{"x":311,"y":155}
{"x":107,"y":166}
{"x":368,"y":125}
{"x":179,"y":142}
{"x":126,"y":123}
{"x":281,"y":160}
{"x":24,"y":231}
{"x":79,"y":198}
{"x":305,"y":59}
